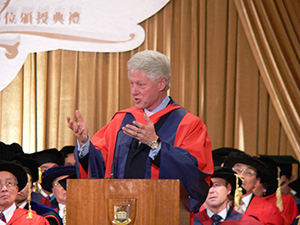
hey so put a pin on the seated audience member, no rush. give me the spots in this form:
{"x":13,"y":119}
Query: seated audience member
{"x":50,"y":182}
{"x":23,"y":199}
{"x":46,"y":159}
{"x":285,"y":163}
{"x":295,"y":186}
{"x":218,"y":210}
{"x":250,"y":170}
{"x":13,"y":179}
{"x":69,"y":159}
{"x":269,"y":189}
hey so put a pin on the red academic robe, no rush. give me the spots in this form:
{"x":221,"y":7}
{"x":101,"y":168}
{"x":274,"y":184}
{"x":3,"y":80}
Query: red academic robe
{"x":234,"y":218}
{"x":290,"y":209}
{"x":20,"y":218}
{"x":185,"y":150}
{"x":191,"y":135}
{"x":265,"y":211}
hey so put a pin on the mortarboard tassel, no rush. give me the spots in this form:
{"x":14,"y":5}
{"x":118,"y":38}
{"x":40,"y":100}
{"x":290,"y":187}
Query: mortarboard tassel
{"x":238,"y":194}
{"x":298,"y":220}
{"x":29,"y":216}
{"x":278,"y":193}
{"x":38,"y":182}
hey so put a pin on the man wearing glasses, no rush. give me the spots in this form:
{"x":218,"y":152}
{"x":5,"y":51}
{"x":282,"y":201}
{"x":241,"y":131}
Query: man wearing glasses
{"x":13,"y":179}
{"x":251,"y":170}
{"x":50,"y":182}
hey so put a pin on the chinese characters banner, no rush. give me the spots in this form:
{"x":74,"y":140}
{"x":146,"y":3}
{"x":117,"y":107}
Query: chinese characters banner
{"x":94,"y":25}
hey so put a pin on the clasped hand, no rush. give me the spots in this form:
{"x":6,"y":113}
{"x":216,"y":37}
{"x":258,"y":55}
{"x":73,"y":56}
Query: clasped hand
{"x":144,"y":133}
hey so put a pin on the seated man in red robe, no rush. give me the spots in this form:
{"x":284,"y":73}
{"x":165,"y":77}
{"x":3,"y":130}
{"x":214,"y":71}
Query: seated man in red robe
{"x":250,"y":170}
{"x":269,"y":189}
{"x":12,"y":179}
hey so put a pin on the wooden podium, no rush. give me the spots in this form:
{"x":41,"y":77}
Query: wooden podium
{"x":126,"y":201}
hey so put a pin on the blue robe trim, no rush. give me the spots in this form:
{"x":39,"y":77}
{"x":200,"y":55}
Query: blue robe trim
{"x":44,"y":211}
{"x":234,"y":216}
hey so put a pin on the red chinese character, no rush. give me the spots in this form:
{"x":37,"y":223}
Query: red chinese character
{"x":10,"y":18}
{"x":26,"y":18}
{"x":58,"y":17}
{"x":74,"y":18}
{"x":42,"y":17}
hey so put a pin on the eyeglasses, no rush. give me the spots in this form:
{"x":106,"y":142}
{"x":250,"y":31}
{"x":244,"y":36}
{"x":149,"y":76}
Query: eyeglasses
{"x":57,"y":184}
{"x":8,"y":185}
{"x":247,"y":171}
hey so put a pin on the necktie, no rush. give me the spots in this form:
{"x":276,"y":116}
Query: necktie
{"x":216,"y":218}
{"x":2,"y":217}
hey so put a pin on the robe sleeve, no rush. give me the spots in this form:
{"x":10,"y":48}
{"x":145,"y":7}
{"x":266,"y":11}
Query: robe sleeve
{"x":190,"y":159}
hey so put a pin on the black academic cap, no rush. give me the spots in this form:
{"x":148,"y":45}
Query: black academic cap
{"x":51,"y":174}
{"x":30,"y":165}
{"x":295,"y":185}
{"x":51,"y":155}
{"x":241,"y":157}
{"x":13,"y":147}
{"x":285,"y":163}
{"x":67,"y":150}
{"x":2,"y":145}
{"x":6,"y":155}
{"x":220,"y":154}
{"x":63,"y":182}
{"x":7,"y":152}
{"x":227,"y":174}
{"x":16,"y":169}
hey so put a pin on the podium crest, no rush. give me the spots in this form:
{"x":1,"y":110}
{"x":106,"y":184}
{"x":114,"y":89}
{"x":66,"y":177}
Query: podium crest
{"x":122,"y":211}
{"x":121,"y":214}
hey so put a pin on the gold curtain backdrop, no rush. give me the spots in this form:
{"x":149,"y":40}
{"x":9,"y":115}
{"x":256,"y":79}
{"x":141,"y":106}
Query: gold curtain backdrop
{"x":235,"y":64}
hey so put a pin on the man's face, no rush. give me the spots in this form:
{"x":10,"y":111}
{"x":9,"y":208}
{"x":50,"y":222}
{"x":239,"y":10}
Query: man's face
{"x":23,"y":194}
{"x":47,"y":166}
{"x":248,"y":176}
{"x":146,"y":93}
{"x":9,"y":190}
{"x":259,"y":190}
{"x":285,"y":189}
{"x":70,"y":160}
{"x":59,"y":192}
{"x":217,"y":195}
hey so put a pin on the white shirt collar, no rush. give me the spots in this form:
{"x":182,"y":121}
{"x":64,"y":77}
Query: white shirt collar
{"x":162,"y":105}
{"x":23,"y":205}
{"x":223,"y":213}
{"x":8,"y":213}
{"x":44,"y":193}
{"x":246,"y":201}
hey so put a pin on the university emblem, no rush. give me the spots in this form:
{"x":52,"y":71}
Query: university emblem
{"x":121,"y":214}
